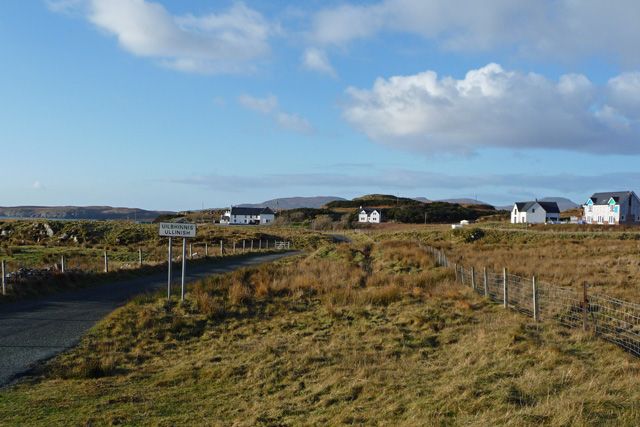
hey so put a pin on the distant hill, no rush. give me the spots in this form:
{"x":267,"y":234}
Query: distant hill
{"x":422,"y":199}
{"x":373,"y":200}
{"x":465,"y":201}
{"x":563,"y":203}
{"x":80,"y":212}
{"x":294,"y":202}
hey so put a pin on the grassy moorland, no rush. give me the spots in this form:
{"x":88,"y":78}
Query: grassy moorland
{"x":35,"y":243}
{"x":355,"y":334}
{"x":41,"y":244}
{"x":604,"y":257}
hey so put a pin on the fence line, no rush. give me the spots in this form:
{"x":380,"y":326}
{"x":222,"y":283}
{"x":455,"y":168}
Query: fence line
{"x":15,"y":273}
{"x":611,"y":319}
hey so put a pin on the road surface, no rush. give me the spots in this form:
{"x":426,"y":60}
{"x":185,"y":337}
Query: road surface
{"x":35,"y":330}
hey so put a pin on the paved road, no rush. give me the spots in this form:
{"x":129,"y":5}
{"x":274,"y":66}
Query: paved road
{"x":32,"y":331}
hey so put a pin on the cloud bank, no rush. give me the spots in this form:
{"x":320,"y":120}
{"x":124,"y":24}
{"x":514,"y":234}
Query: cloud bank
{"x":225,"y":42}
{"x":493,"y":107}
{"x":407,"y":180}
{"x":556,"y":28}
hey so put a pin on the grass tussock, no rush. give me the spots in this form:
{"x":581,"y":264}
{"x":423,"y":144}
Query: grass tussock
{"x":347,"y":335}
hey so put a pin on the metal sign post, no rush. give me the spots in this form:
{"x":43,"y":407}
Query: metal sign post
{"x":169,"y":265}
{"x":170,"y":230}
{"x":184,"y":267}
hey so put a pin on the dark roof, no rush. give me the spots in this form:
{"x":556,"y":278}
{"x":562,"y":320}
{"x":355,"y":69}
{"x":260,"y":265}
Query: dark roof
{"x":603,"y":198}
{"x":549,"y":207}
{"x":368,"y":210}
{"x":236,"y":210}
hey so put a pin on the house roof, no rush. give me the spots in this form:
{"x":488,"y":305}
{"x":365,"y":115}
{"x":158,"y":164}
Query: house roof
{"x":237,"y":210}
{"x":603,"y":198}
{"x":368,"y":211}
{"x":549,"y":207}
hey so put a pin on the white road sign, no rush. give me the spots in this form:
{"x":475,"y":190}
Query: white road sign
{"x":170,"y":229}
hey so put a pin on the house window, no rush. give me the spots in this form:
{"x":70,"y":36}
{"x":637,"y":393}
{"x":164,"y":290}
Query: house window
{"x":611,"y":208}
{"x":533,"y":210}
{"x":590,"y":208}
{"x":611,"y":220}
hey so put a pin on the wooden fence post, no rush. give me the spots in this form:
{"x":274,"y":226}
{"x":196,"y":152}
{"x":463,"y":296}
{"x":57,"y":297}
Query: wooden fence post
{"x":473,"y":278}
{"x":139,"y":257}
{"x":505,"y":288}
{"x":4,"y":275}
{"x":234,"y":247}
{"x":536,"y":309}
{"x":243,"y":245}
{"x":585,"y":307}
{"x":485,"y":280}
{"x":455,"y":269}
{"x":251,"y":245}
{"x":106,"y":262}
{"x":221,"y":249}
{"x":206,"y":249}
{"x":62,"y":264}
{"x":462,"y":274}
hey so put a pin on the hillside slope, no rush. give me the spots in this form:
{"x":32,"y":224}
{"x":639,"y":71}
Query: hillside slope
{"x":294,"y":202}
{"x":80,"y":212}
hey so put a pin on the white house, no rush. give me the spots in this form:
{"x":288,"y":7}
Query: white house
{"x":617,"y":207}
{"x":247,"y":216}
{"x":534,"y":212}
{"x":370,"y":215}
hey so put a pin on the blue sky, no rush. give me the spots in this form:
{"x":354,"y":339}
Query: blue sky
{"x":180,"y":104}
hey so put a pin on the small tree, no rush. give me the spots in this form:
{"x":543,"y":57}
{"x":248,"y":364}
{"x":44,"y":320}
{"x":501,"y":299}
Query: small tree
{"x":322,"y":222}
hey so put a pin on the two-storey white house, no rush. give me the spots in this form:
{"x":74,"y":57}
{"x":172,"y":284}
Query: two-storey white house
{"x":370,"y":215}
{"x":617,"y":207}
{"x":534,"y":212}
{"x":247,"y":216}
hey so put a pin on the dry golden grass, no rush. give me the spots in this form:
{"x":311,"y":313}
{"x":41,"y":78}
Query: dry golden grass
{"x":607,"y":260}
{"x":608,"y":265}
{"x":347,"y":335}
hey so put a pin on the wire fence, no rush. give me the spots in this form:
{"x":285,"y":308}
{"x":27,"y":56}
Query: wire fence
{"x":73,"y":263}
{"x":609,"y":318}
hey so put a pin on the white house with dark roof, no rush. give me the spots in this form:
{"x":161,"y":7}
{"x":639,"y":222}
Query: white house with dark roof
{"x":370,"y":215}
{"x":534,"y":212}
{"x":616,"y":207}
{"x":247,"y":216}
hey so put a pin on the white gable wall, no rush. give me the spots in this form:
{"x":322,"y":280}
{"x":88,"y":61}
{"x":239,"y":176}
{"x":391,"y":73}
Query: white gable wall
{"x":534,"y":215}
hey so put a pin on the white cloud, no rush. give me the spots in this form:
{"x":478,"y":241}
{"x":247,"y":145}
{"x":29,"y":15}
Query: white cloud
{"x":37,"y":185}
{"x":269,"y":107}
{"x":222,"y":42}
{"x":293,"y":122}
{"x":64,"y":6}
{"x":492,"y":107}
{"x":559,"y":28}
{"x":262,"y":105}
{"x":316,"y":60}
{"x":624,"y":94}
